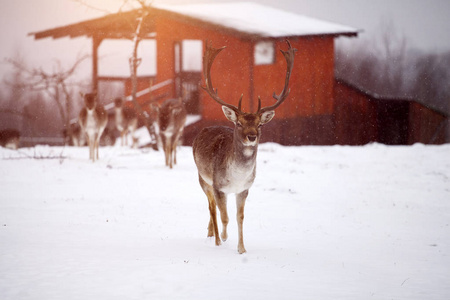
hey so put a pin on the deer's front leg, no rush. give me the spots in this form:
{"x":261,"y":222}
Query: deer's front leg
{"x":174,"y":151}
{"x":125,"y":137}
{"x":210,"y":227}
{"x":122,"y":137}
{"x":240,"y":204}
{"x":165,"y":144}
{"x":91,"y":147}
{"x":96,"y":145}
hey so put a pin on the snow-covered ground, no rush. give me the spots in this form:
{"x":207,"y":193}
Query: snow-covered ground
{"x":335,"y":222}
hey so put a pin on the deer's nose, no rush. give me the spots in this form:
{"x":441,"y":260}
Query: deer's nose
{"x":251,"y":138}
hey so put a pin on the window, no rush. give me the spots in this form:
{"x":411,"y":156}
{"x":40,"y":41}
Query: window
{"x":192,"y":55}
{"x":264,"y":53}
{"x":114,"y":58}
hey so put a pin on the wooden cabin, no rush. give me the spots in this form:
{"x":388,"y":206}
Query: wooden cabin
{"x":251,"y":64}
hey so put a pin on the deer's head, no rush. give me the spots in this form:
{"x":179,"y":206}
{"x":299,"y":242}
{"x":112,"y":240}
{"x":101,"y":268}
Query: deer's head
{"x":170,"y":112}
{"x":247,"y":125}
{"x":118,"y":102}
{"x":90,"y":100}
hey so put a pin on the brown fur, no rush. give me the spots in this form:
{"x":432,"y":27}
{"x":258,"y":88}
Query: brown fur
{"x":126,"y":121}
{"x":10,"y":138}
{"x":226,"y":163}
{"x":226,"y":158}
{"x":171,"y":120}
{"x":93,"y":119}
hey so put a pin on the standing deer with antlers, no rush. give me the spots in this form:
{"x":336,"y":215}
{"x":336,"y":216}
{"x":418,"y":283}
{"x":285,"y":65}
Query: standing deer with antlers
{"x":93,"y":119}
{"x":226,"y":158}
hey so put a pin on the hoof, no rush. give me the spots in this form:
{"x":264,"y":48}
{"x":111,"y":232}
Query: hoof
{"x":210,"y":232}
{"x":224,"y":236}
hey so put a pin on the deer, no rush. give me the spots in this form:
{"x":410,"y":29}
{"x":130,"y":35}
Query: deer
{"x":10,"y":138}
{"x":93,"y":119}
{"x":226,"y":157}
{"x":171,"y":119}
{"x":75,"y":136}
{"x":126,"y":121}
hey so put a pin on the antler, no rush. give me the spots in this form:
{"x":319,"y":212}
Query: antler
{"x":208,"y":59}
{"x":289,"y":56}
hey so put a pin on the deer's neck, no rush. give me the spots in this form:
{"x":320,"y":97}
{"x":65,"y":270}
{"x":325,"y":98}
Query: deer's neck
{"x":244,"y":155}
{"x":90,"y":113}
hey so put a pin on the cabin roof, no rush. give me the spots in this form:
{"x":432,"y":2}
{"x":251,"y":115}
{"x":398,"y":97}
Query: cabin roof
{"x":260,"y":20}
{"x":241,"y":18}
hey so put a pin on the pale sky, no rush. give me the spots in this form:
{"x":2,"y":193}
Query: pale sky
{"x":425,"y":24}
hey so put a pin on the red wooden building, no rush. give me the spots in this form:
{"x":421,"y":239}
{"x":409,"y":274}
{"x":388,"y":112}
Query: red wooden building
{"x":251,"y":64}
{"x":363,"y":117}
{"x":319,"y":109}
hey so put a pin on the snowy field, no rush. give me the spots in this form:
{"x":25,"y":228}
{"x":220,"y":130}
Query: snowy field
{"x":320,"y":223}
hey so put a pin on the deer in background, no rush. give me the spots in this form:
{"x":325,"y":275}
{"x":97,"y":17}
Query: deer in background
{"x":75,"y":136}
{"x":93,"y":119}
{"x":10,"y":138}
{"x":126,"y":121}
{"x":171,"y":120}
{"x":225,"y":157}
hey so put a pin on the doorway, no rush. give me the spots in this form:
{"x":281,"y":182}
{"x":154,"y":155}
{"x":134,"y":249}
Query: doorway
{"x":188,"y":73}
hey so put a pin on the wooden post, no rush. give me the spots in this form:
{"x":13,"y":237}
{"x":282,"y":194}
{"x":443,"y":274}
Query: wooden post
{"x":251,"y":83}
{"x":96,"y":41}
{"x":134,"y":64}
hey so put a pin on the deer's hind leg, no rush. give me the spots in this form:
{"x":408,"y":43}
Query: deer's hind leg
{"x":213,"y":229}
{"x":221,"y":200}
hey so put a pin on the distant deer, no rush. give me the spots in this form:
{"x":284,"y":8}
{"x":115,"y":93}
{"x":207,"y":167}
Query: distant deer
{"x":126,"y":120}
{"x":75,"y":136}
{"x":10,"y":138}
{"x":171,"y":120}
{"x":93,"y":119}
{"x":226,"y":158}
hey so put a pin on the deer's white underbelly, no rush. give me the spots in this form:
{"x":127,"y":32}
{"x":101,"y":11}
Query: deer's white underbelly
{"x":91,"y":125}
{"x":235,"y":180}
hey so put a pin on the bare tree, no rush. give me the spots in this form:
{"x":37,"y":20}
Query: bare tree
{"x":134,"y":61}
{"x":393,"y":53}
{"x":11,"y":103}
{"x":56,"y":84}
{"x":134,"y":64}
{"x":378,"y":65}
{"x":431,"y":80}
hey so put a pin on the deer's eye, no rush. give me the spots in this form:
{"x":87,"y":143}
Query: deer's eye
{"x":239,"y":124}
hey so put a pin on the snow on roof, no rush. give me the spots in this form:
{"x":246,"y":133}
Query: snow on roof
{"x":258,"y":19}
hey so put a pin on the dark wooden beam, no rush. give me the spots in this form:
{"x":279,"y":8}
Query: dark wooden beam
{"x":96,"y":41}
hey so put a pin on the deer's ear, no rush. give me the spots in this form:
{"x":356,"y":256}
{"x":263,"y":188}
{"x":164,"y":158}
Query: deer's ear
{"x":230,"y":114}
{"x":267,"y":116}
